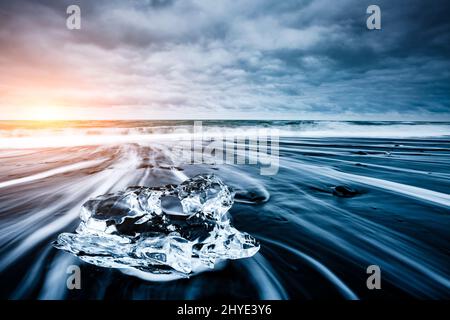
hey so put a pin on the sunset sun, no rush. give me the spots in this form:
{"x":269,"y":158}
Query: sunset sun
{"x":44,"y":112}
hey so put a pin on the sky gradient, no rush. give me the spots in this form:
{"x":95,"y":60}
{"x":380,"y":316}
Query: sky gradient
{"x":253,"y":59}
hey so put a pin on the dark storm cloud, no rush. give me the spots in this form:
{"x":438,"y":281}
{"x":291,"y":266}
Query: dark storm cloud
{"x":262,"y":58}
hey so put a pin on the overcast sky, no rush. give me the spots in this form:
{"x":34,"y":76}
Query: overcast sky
{"x":266,"y":59}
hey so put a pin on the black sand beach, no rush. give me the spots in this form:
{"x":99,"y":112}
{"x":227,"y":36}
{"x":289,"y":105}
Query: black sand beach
{"x":339,"y":203}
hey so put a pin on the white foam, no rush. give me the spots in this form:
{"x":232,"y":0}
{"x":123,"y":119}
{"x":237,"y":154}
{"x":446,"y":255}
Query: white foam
{"x":71,"y":137}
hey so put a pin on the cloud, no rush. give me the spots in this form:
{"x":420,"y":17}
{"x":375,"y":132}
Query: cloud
{"x":260,"y":58}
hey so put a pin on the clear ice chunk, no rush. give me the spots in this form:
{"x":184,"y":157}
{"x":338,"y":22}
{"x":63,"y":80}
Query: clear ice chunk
{"x":164,"y":230}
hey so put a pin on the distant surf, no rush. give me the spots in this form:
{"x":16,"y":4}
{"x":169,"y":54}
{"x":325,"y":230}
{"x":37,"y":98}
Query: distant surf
{"x":30,"y":134}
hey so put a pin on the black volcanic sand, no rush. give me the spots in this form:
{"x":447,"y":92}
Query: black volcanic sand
{"x":335,"y":207}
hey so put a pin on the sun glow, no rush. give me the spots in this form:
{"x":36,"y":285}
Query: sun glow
{"x":46,"y":113}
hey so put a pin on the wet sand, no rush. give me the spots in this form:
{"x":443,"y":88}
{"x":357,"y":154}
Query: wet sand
{"x":336,"y":206}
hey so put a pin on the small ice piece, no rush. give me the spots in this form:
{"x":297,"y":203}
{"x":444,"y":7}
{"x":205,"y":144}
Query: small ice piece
{"x":165,"y":230}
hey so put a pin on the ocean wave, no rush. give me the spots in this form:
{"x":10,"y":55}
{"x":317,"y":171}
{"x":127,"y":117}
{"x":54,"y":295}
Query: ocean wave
{"x":22,"y":135}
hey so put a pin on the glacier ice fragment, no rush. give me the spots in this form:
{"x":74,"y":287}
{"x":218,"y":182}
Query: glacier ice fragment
{"x":174,"y":229}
